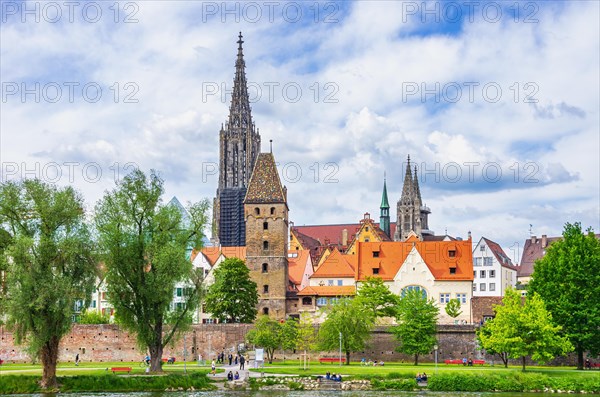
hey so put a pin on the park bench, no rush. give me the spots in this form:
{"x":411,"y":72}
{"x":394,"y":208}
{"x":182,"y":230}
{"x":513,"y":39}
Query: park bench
{"x":121,"y":369}
{"x":331,"y":360}
{"x":480,"y":362}
{"x":453,"y":362}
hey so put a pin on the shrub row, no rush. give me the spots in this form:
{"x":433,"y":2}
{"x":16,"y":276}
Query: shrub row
{"x":511,"y":382}
{"x":18,"y":384}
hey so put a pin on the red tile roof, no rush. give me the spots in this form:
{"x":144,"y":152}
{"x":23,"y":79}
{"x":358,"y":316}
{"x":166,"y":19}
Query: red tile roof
{"x":336,"y":265}
{"x":297,"y":266}
{"x":348,"y":290}
{"x":333,"y":233}
{"x":500,"y":255}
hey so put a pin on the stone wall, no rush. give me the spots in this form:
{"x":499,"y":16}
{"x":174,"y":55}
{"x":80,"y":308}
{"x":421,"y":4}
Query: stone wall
{"x":101,"y":343}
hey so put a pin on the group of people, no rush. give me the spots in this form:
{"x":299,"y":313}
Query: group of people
{"x":468,"y":362}
{"x":369,"y":363}
{"x":330,"y":376}
{"x":421,"y":377}
{"x":239,"y":358}
{"x":231,"y":376}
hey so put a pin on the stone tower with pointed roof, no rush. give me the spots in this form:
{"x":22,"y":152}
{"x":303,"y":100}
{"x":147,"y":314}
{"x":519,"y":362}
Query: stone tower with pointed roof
{"x":239,"y":145}
{"x":412,"y":215}
{"x":384,"y":215}
{"x":266,"y":215}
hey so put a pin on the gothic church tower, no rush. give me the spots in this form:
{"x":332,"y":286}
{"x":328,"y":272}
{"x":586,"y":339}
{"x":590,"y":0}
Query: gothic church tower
{"x":266,"y":213}
{"x":412,"y":214}
{"x":239,"y":145}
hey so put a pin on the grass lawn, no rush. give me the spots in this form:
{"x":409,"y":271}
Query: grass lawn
{"x":294,"y":367}
{"x":68,"y":369}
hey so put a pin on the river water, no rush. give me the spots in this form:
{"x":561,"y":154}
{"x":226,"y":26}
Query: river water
{"x":270,"y":393}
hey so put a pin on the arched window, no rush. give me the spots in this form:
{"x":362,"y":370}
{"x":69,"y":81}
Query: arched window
{"x":265,"y":245}
{"x":257,"y":211}
{"x":265,"y":225}
{"x":265,"y":268}
{"x":414,"y":288}
{"x":266,"y":311}
{"x":272,"y":210}
{"x":265,"y":289}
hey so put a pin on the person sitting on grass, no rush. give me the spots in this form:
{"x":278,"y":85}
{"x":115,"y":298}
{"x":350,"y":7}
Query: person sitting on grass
{"x":328,"y":375}
{"x":424,"y":377}
{"x":230,"y":376}
{"x":419,"y":378}
{"x":236,"y":376}
{"x":339,"y":378}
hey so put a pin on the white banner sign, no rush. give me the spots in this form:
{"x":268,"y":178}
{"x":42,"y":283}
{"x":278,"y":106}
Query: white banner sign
{"x":260,"y":355}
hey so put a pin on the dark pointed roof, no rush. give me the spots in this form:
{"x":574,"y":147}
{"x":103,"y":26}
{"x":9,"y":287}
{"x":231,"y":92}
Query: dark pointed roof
{"x":416,"y":185}
{"x":384,"y":197}
{"x":265,"y":185}
{"x":408,"y":187}
{"x":239,"y":111}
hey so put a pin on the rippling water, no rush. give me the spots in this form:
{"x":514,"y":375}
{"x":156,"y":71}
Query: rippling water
{"x":271,"y":393}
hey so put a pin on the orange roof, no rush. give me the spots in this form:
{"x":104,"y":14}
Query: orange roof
{"x":347,"y":290}
{"x":436,"y":254}
{"x":336,"y":265}
{"x":297,"y":265}
{"x":213,"y":253}
{"x":333,"y":233}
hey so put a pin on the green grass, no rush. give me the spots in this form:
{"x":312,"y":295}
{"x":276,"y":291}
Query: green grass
{"x":69,"y":369}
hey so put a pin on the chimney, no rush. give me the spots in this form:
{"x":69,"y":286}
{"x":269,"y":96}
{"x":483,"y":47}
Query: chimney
{"x":533,"y":240}
{"x":544,"y":240}
{"x":344,"y":237}
{"x":469,"y":235}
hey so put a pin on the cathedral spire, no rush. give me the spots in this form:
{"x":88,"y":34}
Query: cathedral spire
{"x":240,"y":115}
{"x":416,"y":183}
{"x":408,"y":187}
{"x":384,"y":217}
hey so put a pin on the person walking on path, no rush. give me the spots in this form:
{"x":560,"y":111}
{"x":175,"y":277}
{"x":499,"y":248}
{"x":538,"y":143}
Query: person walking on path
{"x":230,"y":358}
{"x":242,"y":361}
{"x":213,"y":367}
{"x":77,"y":359}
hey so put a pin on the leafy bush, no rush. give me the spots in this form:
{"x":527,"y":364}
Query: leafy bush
{"x":401,"y":384}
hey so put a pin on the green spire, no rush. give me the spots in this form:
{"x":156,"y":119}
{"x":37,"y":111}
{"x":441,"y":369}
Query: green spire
{"x":384,"y":196}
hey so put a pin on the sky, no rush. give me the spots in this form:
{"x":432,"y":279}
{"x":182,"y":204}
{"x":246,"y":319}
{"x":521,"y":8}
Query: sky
{"x":497,"y":103}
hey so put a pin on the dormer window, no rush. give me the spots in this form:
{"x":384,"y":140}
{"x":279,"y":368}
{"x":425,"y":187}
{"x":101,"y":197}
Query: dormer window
{"x":452,"y":270}
{"x":452,"y":253}
{"x":375,"y":270}
{"x":375,"y":254}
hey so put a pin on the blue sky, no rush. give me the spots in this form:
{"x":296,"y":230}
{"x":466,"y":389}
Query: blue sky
{"x":505,"y":94}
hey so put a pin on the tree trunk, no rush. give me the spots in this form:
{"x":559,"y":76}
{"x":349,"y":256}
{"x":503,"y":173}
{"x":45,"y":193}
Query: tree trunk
{"x":579,"y":356}
{"x":416,"y":359}
{"x":504,"y":358}
{"x":347,"y":358}
{"x":523,"y":358}
{"x":49,"y":355}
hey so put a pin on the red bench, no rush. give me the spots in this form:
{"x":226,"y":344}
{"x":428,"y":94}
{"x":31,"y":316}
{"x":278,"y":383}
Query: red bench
{"x":480,"y":362}
{"x":453,"y":362}
{"x":331,"y":360}
{"x":121,"y":369}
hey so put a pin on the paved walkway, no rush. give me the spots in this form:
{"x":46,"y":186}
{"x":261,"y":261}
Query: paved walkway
{"x":244,"y":374}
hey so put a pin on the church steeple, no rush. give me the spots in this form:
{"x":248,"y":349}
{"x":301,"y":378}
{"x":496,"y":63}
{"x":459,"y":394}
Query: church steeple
{"x":239,"y":145}
{"x":416,"y":187}
{"x":408,"y":187}
{"x":384,"y":217}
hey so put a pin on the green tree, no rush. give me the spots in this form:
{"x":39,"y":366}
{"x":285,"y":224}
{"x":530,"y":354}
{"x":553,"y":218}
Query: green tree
{"x":523,"y":329}
{"x":376,"y":297}
{"x":567,"y":278}
{"x":484,"y":332}
{"x":306,"y":337}
{"x":93,"y":317}
{"x":453,"y":308}
{"x":266,"y":334}
{"x":144,"y":246}
{"x":49,"y":262}
{"x":233,"y":295}
{"x":416,"y":329}
{"x":348,"y":318}
{"x":289,"y":335}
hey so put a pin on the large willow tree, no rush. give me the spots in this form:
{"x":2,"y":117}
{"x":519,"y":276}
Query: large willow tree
{"x":145,"y":247}
{"x":47,"y":255}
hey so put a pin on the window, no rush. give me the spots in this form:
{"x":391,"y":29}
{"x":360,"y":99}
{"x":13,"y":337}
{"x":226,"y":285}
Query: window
{"x":444,"y":298}
{"x":452,"y":253}
{"x":482,"y":287}
{"x":487,"y":261}
{"x":307,"y":300}
{"x":265,"y":245}
{"x":257,"y":211}
{"x":340,"y":282}
{"x":265,"y":289}
{"x":482,"y":248}
{"x":265,"y":225}
{"x":366,"y":240}
{"x":367,"y":229}
{"x":265,"y":268}
{"x":266,"y":311}
{"x":330,"y":282}
{"x":477,"y":261}
{"x":462,"y":298}
{"x":180,"y":306}
{"x":272,"y":210}
{"x":414,"y":287}
{"x":321,"y":301}
{"x":492,"y":286}
{"x":474,"y":287}
{"x":205,"y":272}
{"x":93,"y":305}
{"x":474,"y":273}
{"x":452,"y":270}
{"x":492,"y":273}
{"x":375,"y":254}
{"x":333,"y":301}
{"x":375,"y":270}
{"x":179,"y":291}
{"x":482,"y":274}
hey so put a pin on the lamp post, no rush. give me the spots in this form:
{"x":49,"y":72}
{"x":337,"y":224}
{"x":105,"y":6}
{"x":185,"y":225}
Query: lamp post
{"x":435,"y":348}
{"x":340,"y":349}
